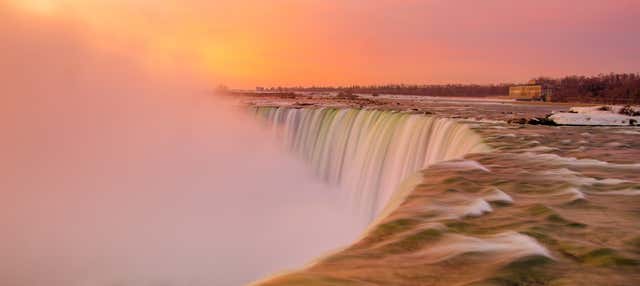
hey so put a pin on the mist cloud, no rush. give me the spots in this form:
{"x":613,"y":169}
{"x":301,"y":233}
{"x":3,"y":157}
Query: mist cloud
{"x":113,"y":175}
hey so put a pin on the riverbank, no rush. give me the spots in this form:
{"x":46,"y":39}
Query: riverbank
{"x":500,"y":109}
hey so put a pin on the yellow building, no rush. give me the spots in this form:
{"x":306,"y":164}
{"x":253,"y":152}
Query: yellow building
{"x":529,"y":92}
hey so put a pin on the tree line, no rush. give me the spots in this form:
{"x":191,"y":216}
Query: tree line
{"x":605,"y":88}
{"x":473,"y":90}
{"x":611,"y":88}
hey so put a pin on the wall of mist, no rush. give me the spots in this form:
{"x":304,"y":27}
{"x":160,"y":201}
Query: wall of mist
{"x":114,"y":175}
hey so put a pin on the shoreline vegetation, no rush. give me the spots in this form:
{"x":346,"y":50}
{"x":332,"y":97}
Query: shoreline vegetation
{"x":611,"y":88}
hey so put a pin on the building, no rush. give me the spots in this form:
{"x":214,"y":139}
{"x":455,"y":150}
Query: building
{"x":530,"y":92}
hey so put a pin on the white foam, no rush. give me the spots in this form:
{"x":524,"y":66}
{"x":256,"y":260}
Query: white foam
{"x":458,"y":210}
{"x":477,"y":208}
{"x":464,"y":165}
{"x":629,"y":132}
{"x":615,"y":144}
{"x":553,"y":158}
{"x":559,"y":172}
{"x":509,"y":243}
{"x":472,"y":119}
{"x":576,"y":194}
{"x":575,"y":178}
{"x":542,"y":149}
{"x":627,"y":192}
{"x":498,"y":196}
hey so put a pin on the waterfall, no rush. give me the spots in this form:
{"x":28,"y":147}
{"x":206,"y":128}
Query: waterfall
{"x":369,"y":152}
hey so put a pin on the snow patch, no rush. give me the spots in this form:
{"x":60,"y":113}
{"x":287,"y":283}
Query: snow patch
{"x":595,"y":116}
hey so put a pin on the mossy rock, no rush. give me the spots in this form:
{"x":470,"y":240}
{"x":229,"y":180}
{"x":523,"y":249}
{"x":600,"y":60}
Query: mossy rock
{"x":482,"y":229}
{"x":459,"y":226}
{"x":634,"y":243}
{"x":460,"y":181}
{"x":555,"y":218}
{"x":563,"y":282}
{"x":415,"y":241}
{"x":539,"y":209}
{"x":540,"y":236}
{"x":607,"y":257}
{"x":527,"y":271}
{"x":348,"y":257}
{"x":572,"y":249}
{"x":386,"y":230}
{"x":501,"y":204}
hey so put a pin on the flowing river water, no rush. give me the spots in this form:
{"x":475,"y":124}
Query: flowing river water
{"x":548,"y":205}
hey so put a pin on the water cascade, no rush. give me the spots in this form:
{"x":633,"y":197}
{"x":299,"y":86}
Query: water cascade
{"x":369,"y":152}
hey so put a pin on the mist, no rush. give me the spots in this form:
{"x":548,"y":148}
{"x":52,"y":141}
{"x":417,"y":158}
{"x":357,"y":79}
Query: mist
{"x":116,"y":175}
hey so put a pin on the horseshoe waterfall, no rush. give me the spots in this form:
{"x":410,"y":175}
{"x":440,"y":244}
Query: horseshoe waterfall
{"x":369,"y":152}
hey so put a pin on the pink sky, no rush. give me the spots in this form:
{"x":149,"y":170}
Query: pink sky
{"x":246,"y":43}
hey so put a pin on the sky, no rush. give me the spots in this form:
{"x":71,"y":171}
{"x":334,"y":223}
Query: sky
{"x":248,"y":43}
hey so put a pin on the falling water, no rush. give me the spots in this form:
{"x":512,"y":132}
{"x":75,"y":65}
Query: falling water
{"x":369,"y":152}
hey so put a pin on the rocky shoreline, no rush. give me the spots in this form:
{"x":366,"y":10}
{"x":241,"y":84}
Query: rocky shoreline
{"x":513,"y":112}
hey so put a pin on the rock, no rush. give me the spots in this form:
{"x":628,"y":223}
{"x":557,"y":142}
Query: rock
{"x":517,"y":121}
{"x":630,"y":110}
{"x":531,"y":121}
{"x":541,"y":121}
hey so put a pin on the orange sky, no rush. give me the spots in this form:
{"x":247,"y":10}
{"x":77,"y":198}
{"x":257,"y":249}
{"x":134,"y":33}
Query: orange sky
{"x":246,"y":43}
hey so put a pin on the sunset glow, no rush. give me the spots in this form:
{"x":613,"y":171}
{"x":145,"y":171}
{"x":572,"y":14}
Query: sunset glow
{"x":37,"y":6}
{"x":283,"y":42}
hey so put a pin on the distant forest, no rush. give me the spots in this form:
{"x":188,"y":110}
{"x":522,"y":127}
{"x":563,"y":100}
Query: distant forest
{"x":605,"y":88}
{"x":608,"y":89}
{"x":473,"y":90}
